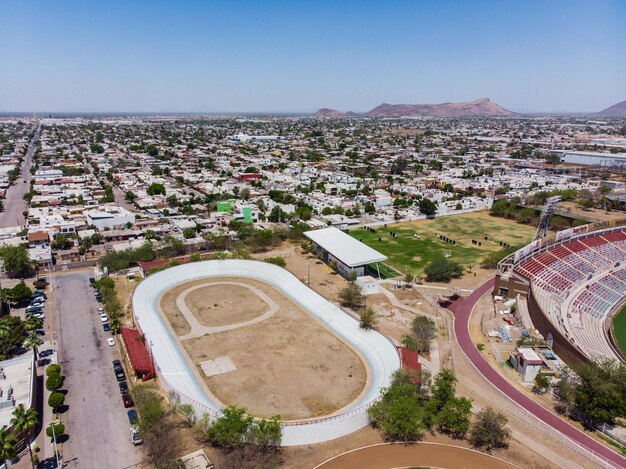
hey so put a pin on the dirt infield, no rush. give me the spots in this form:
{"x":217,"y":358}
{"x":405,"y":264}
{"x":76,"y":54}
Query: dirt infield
{"x":387,"y":456}
{"x":219,"y":305}
{"x":288,"y":364}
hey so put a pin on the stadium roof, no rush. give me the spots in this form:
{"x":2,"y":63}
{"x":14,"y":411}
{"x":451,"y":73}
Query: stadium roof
{"x":344,"y":247}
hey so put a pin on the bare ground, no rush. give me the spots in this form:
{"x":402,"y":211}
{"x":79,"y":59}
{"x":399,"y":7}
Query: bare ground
{"x":288,"y":364}
{"x":219,"y":305}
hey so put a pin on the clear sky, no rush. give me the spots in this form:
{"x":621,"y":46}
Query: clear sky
{"x":256,"y":56}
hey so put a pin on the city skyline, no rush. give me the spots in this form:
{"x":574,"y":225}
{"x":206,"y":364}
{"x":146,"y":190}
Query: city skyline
{"x":245,"y":57}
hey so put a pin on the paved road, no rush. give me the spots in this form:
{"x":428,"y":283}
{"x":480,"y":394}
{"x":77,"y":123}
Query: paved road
{"x":96,"y":421}
{"x":462,"y":310}
{"x":14,"y":203}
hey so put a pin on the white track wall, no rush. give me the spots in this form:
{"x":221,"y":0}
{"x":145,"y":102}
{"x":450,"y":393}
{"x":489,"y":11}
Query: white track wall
{"x":177,"y":379}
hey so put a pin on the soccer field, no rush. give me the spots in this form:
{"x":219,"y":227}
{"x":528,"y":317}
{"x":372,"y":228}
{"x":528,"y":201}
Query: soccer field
{"x":619,"y":329}
{"x":416,"y":243}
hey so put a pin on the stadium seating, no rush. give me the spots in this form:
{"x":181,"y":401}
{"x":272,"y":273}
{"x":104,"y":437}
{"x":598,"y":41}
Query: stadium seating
{"x":578,"y":283}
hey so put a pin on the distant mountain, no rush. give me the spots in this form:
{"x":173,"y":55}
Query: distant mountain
{"x":327,"y":112}
{"x":482,"y":107}
{"x":617,"y":110}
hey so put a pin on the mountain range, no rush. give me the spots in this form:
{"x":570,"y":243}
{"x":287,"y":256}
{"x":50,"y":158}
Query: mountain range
{"x":617,"y":110}
{"x":482,"y":107}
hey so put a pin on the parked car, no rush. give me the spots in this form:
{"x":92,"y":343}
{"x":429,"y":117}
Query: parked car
{"x":117,"y":365}
{"x":120,"y":375}
{"x":38,"y":300}
{"x":103,"y":318}
{"x":133,"y":418}
{"x":38,"y":294}
{"x":92,"y":280}
{"x":106,"y":327}
{"x":111,"y":341}
{"x":46,"y":353}
{"x":135,"y":436}
{"x":127,"y":400}
{"x":123,"y":387}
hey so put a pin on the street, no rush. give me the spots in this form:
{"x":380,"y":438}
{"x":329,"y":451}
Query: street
{"x":14,"y":203}
{"x":96,"y":421}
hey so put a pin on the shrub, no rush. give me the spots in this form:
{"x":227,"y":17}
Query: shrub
{"x":56,"y":399}
{"x":53,"y":369}
{"x":279,"y":261}
{"x":59,"y":429}
{"x":54,"y":382}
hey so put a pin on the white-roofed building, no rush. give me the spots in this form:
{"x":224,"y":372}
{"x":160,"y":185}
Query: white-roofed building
{"x":109,"y":217}
{"x":350,"y":255}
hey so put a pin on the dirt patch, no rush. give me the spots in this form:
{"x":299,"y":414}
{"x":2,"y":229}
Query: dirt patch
{"x":221,"y":304}
{"x":288,"y":364}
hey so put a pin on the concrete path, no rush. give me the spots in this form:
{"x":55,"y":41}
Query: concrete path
{"x":198,"y":330}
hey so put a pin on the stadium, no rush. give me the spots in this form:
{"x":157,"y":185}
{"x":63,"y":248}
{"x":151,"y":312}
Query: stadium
{"x":181,"y":355}
{"x":575,"y":286}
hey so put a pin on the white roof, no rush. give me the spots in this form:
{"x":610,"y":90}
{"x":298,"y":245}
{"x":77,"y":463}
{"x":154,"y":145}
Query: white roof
{"x":344,"y":247}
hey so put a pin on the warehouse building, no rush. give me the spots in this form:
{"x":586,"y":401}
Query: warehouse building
{"x":350,"y":256}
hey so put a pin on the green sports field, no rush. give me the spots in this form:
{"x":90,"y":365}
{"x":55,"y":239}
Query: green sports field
{"x":619,"y":329}
{"x":416,"y":243}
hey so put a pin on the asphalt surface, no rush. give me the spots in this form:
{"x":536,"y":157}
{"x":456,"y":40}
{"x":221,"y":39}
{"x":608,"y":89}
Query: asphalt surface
{"x":462,"y":310}
{"x":14,"y":203}
{"x":96,"y":420}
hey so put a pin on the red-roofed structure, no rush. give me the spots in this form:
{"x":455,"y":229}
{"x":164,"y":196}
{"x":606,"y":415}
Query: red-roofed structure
{"x":137,"y":353}
{"x":410,"y":361}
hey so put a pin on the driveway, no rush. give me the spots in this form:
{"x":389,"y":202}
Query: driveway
{"x":96,"y":421}
{"x":14,"y":203}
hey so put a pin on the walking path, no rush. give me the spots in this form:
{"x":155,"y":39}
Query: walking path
{"x":462,"y":310}
{"x":198,"y":330}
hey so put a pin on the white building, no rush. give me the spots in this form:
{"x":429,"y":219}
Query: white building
{"x":109,"y":217}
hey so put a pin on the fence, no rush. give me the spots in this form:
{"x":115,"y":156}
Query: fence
{"x":517,"y":412}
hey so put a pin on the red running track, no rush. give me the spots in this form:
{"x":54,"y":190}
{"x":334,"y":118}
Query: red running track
{"x":461,"y":309}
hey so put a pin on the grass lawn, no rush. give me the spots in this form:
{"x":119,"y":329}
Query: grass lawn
{"x":619,"y":328}
{"x":416,"y":243}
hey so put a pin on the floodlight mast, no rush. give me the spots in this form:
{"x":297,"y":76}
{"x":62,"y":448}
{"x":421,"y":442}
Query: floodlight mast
{"x":548,"y":209}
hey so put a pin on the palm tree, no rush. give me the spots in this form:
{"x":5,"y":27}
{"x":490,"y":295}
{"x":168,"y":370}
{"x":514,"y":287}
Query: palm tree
{"x":33,"y":323}
{"x":23,"y":421}
{"x":8,"y":444}
{"x":33,"y":341}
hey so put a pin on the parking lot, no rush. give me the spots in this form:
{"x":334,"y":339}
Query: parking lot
{"x":96,"y":422}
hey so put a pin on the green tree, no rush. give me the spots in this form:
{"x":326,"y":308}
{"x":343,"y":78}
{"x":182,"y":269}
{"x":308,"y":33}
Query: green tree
{"x":130,"y":196}
{"x":156,"y":188}
{"x":33,"y":340}
{"x":23,"y":422}
{"x":19,"y":293}
{"x":368,"y":318}
{"x":230,"y":430}
{"x":601,"y":390}
{"x":59,"y":430}
{"x":56,"y":400}
{"x":423,"y":331}
{"x":189,"y":233}
{"x":454,"y":416}
{"x":53,"y":369}
{"x":15,"y":261}
{"x":61,"y":242}
{"x":489,"y":430}
{"x":8,"y":444}
{"x":427,"y":207}
{"x":11,"y":335}
{"x":351,"y":296}
{"x":542,"y":383}
{"x":398,"y":414}
{"x":33,"y":323}
{"x":54,"y":382}
{"x":267,"y":433}
{"x":565,"y":392}
{"x":442,"y":270}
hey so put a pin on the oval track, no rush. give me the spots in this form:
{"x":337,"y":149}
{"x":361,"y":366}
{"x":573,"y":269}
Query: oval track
{"x":380,"y":354}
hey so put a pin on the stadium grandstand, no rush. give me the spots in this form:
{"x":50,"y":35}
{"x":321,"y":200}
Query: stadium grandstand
{"x":574,"y":285}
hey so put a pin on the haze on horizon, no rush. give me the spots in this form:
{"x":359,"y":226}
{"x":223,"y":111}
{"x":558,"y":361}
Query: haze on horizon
{"x":235,"y":56}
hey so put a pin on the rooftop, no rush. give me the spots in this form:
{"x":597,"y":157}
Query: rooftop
{"x":16,"y":379}
{"x":344,"y":247}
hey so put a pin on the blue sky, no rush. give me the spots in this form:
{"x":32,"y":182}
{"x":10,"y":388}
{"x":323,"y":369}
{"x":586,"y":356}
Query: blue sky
{"x":299,"y":56}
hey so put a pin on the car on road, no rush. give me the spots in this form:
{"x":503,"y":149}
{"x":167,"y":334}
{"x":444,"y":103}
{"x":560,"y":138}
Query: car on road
{"x":133,"y":418}
{"x":135,"y":436}
{"x":111,"y":341}
{"x":123,"y":387}
{"x":106,"y":327}
{"x":127,"y":400}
